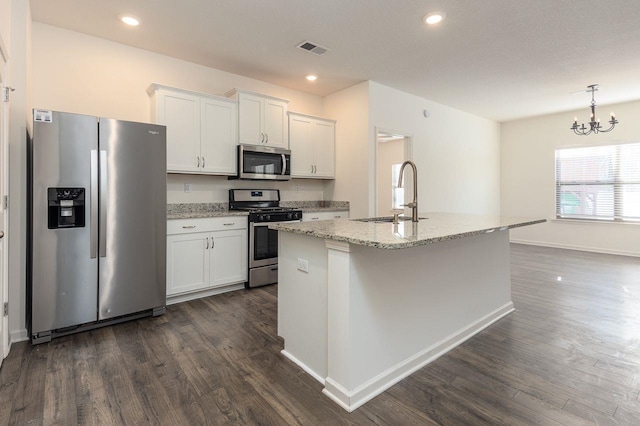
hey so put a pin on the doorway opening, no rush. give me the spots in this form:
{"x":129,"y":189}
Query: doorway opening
{"x":392,"y":149}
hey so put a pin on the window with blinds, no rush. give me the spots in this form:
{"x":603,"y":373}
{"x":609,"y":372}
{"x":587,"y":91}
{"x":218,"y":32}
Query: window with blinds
{"x":598,"y":183}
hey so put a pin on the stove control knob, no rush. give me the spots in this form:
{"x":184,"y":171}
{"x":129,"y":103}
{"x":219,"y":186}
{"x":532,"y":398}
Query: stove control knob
{"x":261,"y":217}
{"x":267,"y":217}
{"x":289,"y":215}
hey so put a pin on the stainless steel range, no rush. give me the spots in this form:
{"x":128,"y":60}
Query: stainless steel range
{"x":264,"y":209}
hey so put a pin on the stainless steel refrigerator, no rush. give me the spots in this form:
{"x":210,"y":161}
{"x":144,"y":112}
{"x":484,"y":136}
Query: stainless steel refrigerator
{"x":97,"y":228}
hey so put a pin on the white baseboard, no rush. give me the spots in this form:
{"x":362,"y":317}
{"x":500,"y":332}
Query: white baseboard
{"x":303,"y":366}
{"x":19,"y":336}
{"x":172,"y":300}
{"x":351,"y":400}
{"x":575,"y":247}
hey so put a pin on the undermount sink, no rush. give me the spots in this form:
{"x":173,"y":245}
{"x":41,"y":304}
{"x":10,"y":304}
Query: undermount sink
{"x":386,"y":219}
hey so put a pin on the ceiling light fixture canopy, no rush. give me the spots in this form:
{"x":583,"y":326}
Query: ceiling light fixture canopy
{"x":434,"y":17}
{"x":594,"y":125}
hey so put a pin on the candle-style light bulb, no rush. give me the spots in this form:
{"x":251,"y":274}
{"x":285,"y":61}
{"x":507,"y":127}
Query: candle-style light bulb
{"x":612,"y":115}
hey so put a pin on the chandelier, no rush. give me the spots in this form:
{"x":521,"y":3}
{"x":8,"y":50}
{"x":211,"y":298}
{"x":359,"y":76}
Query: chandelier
{"x":593,"y":126}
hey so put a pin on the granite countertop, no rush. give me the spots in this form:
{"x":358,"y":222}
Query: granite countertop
{"x":385,"y":235}
{"x":203,"y":210}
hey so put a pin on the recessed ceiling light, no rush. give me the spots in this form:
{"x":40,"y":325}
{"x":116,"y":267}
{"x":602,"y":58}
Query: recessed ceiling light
{"x":312,"y":77}
{"x":434,"y":17}
{"x":130,"y":20}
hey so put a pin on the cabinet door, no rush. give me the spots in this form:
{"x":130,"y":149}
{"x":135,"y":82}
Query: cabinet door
{"x":301,"y":144}
{"x":229,"y":257}
{"x":180,"y":112}
{"x":250,"y":119}
{"x":275,"y":123}
{"x":187,"y":262}
{"x":324,"y":149}
{"x":219,"y":130}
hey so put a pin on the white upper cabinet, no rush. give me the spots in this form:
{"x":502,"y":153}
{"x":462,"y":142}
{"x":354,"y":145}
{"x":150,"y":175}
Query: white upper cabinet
{"x":312,"y":144}
{"x":262,"y":120}
{"x":218,"y":135}
{"x":201,"y":130}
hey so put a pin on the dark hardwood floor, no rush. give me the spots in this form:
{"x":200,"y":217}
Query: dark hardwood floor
{"x":569,"y":355}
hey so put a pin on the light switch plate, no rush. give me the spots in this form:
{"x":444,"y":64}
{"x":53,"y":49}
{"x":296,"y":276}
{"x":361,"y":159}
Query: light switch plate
{"x":187,"y":187}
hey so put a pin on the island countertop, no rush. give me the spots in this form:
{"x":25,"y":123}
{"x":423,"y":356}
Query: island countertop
{"x":432,"y":228}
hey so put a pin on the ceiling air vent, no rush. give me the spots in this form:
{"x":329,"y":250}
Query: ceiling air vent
{"x":313,"y":48}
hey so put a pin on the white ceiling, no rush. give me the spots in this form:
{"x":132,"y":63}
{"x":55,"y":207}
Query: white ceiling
{"x":500,"y":59}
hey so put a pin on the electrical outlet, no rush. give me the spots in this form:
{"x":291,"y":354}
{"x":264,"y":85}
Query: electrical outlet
{"x":187,"y":187}
{"x":299,"y":188}
{"x":303,"y":265}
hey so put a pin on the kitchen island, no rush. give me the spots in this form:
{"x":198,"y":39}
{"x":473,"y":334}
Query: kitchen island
{"x":364,"y":303}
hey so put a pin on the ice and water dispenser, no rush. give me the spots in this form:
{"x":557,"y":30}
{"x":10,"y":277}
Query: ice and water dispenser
{"x":66,"y":207}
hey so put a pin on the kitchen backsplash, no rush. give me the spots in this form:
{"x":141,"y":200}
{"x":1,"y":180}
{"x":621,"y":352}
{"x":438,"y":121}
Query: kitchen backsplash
{"x":215,"y":189}
{"x":188,"y":208}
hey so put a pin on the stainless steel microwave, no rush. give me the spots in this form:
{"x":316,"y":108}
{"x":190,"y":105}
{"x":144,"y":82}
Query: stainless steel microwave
{"x":263,"y":162}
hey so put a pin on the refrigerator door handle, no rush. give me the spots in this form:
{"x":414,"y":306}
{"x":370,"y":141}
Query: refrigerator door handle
{"x":103,"y":203}
{"x":93,"y":218}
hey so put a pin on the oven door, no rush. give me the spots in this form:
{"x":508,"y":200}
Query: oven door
{"x":255,"y":162}
{"x":263,"y":244}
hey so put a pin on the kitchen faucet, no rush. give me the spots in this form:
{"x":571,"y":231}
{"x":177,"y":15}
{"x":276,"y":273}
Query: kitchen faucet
{"x":414,"y":203}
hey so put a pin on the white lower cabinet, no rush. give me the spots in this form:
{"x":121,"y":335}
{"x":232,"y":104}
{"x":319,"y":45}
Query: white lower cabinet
{"x":205,"y":254}
{"x":314,"y":216}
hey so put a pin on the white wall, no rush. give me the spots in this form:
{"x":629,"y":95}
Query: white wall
{"x":5,"y":23}
{"x":528,"y":179}
{"x":74,"y":72}
{"x":457,"y":154}
{"x":350,"y":107}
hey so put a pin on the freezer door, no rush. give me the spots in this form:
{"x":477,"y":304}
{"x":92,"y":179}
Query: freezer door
{"x":63,"y":273}
{"x":133,"y":205}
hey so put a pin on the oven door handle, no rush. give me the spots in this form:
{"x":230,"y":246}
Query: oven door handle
{"x":255,"y":224}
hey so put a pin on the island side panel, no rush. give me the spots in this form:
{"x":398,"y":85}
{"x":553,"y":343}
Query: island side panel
{"x":403,"y":308}
{"x":302,"y":302}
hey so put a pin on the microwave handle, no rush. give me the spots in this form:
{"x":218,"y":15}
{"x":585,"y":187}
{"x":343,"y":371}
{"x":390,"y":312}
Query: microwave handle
{"x":284,"y":164}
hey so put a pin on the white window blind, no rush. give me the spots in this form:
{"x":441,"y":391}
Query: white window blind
{"x":598,"y":183}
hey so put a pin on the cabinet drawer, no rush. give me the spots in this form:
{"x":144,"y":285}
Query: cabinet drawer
{"x":208,"y":224}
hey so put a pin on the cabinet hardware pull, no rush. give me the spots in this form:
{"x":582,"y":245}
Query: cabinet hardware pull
{"x":207,"y":243}
{"x":189,"y":226}
{"x":203,"y":162}
{"x":213,"y":242}
{"x":267,"y":134}
{"x":261,"y":137}
{"x":198,"y":157}
{"x":229,"y":224}
{"x":315,"y":218}
{"x":312,"y":168}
